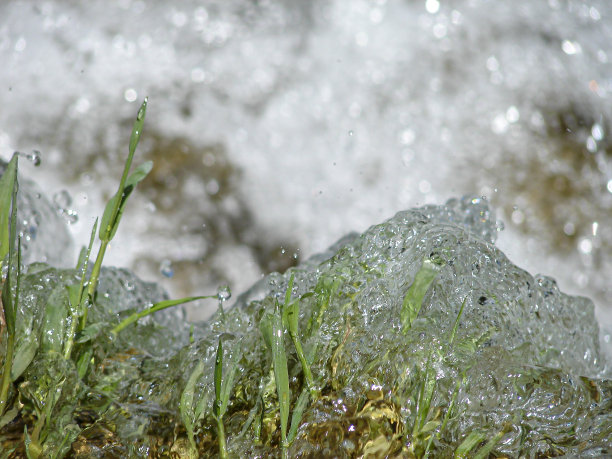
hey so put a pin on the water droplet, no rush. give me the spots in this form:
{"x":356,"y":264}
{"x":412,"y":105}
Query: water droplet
{"x":212,"y":187}
{"x":591,"y":145}
{"x":571,"y":47}
{"x":585,"y":246}
{"x":512,"y":114}
{"x":130,"y":95}
{"x":424,"y":186}
{"x":71,"y":216}
{"x":517,"y":217}
{"x":33,"y":157}
{"x":143,"y":110}
{"x":166,"y":269}
{"x":432,"y":6}
{"x":224,"y":293}
{"x":597,"y":132}
{"x":129,"y":285}
{"x":62,"y":201}
{"x":351,"y":133}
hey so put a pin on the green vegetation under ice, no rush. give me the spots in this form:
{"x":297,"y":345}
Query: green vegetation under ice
{"x":417,"y":338}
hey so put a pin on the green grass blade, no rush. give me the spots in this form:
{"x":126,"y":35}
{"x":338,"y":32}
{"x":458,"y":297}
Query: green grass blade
{"x":272,"y":330}
{"x":8,"y":192}
{"x":138,"y":125}
{"x":10,"y":297}
{"x":110,"y":222}
{"x":296,"y":416}
{"x":467,"y":445}
{"x":451,"y":338}
{"x":414,"y":297}
{"x":484,"y":452}
{"x":218,"y":378}
{"x":289,"y":290}
{"x":324,"y":291}
{"x":425,"y":396}
{"x":292,"y":312}
{"x":186,"y":408}
{"x":113,"y":211}
{"x":106,"y":225}
{"x":228,"y":381}
{"x":9,"y":231}
{"x":153,"y":309}
{"x":447,"y":416}
{"x":53,"y":331}
{"x":77,"y":297}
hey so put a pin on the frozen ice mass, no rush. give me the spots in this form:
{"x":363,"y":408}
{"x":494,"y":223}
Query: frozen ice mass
{"x":420,"y":336}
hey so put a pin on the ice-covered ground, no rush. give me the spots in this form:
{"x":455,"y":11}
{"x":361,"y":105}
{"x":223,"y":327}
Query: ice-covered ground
{"x":277,"y":127}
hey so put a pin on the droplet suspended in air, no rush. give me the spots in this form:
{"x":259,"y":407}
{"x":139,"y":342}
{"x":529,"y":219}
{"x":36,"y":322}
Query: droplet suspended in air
{"x":166,"y":269}
{"x":33,"y":157}
{"x":224,"y":293}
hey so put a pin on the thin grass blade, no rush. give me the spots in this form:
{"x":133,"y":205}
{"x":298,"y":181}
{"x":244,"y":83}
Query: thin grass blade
{"x":218,"y":378}
{"x":451,"y":338}
{"x":186,"y":407}
{"x":467,"y":445}
{"x":272,"y":329}
{"x":414,"y":297}
{"x":296,"y":416}
{"x":8,"y":189}
{"x":228,"y":381}
{"x":425,"y":396}
{"x":153,"y":309}
{"x":113,"y":210}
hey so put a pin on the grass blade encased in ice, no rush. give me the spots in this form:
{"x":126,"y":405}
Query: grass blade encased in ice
{"x":416,"y":293}
{"x":11,"y":246}
{"x":271,"y":327}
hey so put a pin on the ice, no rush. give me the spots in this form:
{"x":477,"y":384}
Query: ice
{"x":523,"y":364}
{"x":44,"y":234}
{"x":397,"y":324}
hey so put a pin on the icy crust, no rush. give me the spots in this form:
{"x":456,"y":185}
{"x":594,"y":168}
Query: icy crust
{"x":523,"y":367}
{"x":524,"y":364}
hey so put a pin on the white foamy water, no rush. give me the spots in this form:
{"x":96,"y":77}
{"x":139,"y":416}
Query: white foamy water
{"x":327,"y":117}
